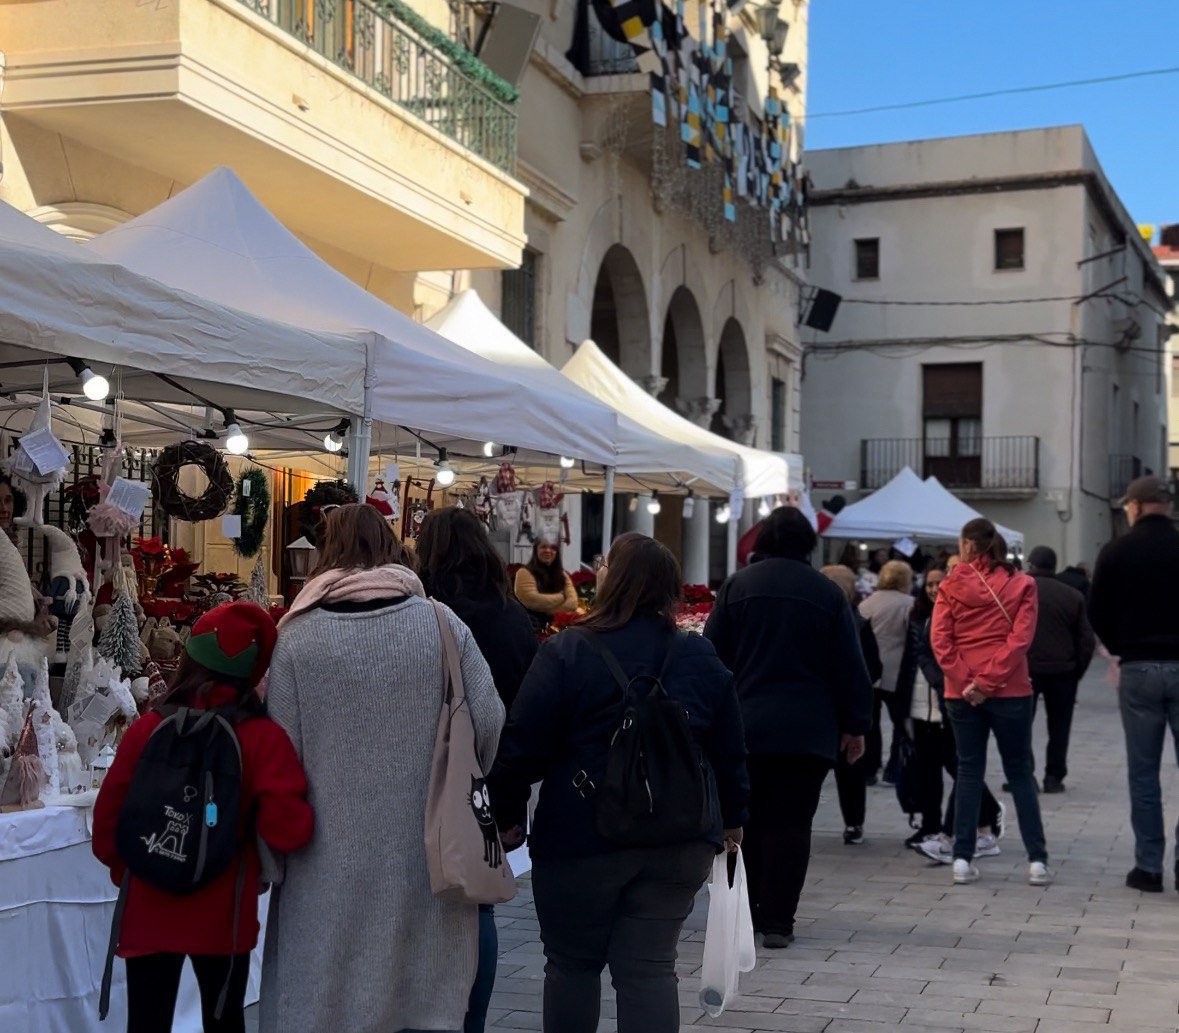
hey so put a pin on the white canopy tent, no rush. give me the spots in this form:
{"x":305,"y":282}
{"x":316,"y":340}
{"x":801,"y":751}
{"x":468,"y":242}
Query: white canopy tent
{"x":907,"y":506}
{"x":218,"y":241}
{"x":61,"y":301}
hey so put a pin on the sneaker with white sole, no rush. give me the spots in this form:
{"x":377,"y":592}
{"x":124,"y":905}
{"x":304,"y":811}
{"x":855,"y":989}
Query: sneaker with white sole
{"x":987,"y":845}
{"x":1000,"y":826}
{"x":964,"y":872}
{"x":937,"y":848}
{"x":1039,"y":874}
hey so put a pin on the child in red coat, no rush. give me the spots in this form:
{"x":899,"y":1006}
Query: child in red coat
{"x":224,"y":660}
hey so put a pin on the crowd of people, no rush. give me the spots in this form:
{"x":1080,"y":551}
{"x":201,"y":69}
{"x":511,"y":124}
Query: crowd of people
{"x":790,"y":681}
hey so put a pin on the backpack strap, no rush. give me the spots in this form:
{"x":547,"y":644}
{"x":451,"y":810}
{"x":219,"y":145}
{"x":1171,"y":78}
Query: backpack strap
{"x":104,"y":997}
{"x":239,"y":887}
{"x":615,"y":668}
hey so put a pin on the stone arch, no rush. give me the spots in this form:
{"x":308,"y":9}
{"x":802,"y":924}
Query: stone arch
{"x":734,"y":386}
{"x":684,"y":357}
{"x":80,"y":220}
{"x":619,"y":320}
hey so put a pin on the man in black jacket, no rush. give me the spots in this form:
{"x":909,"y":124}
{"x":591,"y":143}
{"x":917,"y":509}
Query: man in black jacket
{"x":1134,"y":608}
{"x":788,"y":635}
{"x":1059,"y":656}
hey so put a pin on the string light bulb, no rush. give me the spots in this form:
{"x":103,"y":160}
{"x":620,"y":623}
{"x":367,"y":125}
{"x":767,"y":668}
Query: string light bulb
{"x":333,"y":441}
{"x":763,"y":509}
{"x":567,"y":462}
{"x":444,"y":474}
{"x":653,"y":506}
{"x":235,"y":441}
{"x":723,"y":514}
{"x":689,"y":506}
{"x":94,"y":387}
{"x":489,"y":449}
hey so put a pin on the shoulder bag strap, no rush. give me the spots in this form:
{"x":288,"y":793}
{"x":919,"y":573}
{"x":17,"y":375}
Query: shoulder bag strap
{"x":104,"y":996}
{"x":678,"y":639}
{"x":998,"y":603}
{"x":610,"y":660}
{"x":450,"y":654}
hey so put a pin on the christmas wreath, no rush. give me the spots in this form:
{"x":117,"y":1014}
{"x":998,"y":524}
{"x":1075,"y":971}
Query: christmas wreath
{"x":252,"y":504}
{"x":321,"y":494}
{"x":165,"y":481}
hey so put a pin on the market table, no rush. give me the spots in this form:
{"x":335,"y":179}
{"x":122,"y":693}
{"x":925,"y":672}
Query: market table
{"x":56,"y":903}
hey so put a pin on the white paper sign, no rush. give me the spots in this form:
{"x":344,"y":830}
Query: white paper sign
{"x":906,"y":546}
{"x":129,"y":496}
{"x":231,"y":525}
{"x":46,"y":453}
{"x":392,"y":475}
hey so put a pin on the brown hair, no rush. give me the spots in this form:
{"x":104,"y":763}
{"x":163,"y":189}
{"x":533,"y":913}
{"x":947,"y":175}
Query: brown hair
{"x":896,"y":575}
{"x":550,"y":578}
{"x":643,"y":581}
{"x":193,"y":683}
{"x":454,"y":550}
{"x":844,"y":578}
{"x":989,"y":542}
{"x":356,"y":537}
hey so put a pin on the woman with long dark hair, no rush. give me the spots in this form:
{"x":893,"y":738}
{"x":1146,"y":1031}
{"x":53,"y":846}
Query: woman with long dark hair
{"x":983,"y":625}
{"x":358,"y":681}
{"x":459,"y":567}
{"x":599,"y":902}
{"x":542,"y":586}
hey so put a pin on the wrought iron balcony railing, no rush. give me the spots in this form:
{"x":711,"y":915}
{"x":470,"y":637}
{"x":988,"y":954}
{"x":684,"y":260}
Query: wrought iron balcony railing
{"x":607,"y":56}
{"x":1001,"y":464}
{"x":366,"y":39}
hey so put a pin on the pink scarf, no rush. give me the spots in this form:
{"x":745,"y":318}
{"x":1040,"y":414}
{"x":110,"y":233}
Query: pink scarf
{"x":355,"y":586}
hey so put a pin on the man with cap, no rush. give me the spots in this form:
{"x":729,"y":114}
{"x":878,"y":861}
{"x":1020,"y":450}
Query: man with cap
{"x":1134,"y":608}
{"x":1058,"y":658}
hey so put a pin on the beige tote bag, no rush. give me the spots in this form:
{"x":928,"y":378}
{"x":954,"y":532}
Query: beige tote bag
{"x":463,"y":851}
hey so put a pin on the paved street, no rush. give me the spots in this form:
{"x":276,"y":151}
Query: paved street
{"x":884,"y":939}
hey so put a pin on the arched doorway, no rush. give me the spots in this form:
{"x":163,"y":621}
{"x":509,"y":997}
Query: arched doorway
{"x":684,"y":361}
{"x":619,"y":323}
{"x":734,"y":387}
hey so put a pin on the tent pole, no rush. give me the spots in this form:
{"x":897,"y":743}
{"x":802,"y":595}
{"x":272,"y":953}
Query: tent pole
{"x":731,"y":531}
{"x":608,"y":511}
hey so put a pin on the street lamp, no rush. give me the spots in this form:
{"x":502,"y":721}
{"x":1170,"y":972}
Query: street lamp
{"x":765,"y":19}
{"x":778,"y":42}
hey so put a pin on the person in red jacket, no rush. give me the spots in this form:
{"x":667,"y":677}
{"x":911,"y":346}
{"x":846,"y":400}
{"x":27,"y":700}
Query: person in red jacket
{"x":225,"y":657}
{"x":983,"y":625}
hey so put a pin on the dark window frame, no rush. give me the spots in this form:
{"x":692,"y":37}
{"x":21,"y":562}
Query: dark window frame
{"x":866,"y":253}
{"x":778,"y":399}
{"x":519,"y":298}
{"x":1005,"y":262}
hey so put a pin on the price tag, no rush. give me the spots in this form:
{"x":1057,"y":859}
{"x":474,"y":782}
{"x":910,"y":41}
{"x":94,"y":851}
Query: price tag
{"x":231,"y":525}
{"x":129,"y":496}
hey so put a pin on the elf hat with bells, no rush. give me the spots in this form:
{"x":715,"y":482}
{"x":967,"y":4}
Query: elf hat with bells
{"x":236,"y":640}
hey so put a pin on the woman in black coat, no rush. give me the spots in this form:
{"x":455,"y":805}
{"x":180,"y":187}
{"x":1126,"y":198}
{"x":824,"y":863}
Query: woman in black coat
{"x":600,"y":902}
{"x":461,"y":569}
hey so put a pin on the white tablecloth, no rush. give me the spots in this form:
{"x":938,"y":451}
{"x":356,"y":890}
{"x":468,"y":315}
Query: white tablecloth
{"x":56,"y":903}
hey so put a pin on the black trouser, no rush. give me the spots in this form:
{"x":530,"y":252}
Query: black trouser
{"x":853,"y":789}
{"x":783,"y":797}
{"x":934,"y":752}
{"x":1060,"y":698}
{"x":624,"y":909}
{"x":874,"y":742}
{"x":153,"y":981}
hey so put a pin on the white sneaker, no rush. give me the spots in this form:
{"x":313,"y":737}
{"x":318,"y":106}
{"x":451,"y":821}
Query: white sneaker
{"x":986,"y":845}
{"x":964,"y":872}
{"x":937,"y":848}
{"x":1039,"y":874}
{"x":1001,"y":824}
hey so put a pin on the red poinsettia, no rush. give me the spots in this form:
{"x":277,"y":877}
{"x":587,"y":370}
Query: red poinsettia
{"x":698,"y":594}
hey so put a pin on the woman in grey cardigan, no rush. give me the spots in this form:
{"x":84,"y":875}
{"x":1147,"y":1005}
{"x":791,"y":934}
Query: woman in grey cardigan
{"x":355,"y":940}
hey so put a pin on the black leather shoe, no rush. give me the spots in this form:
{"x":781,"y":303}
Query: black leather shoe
{"x":1146,"y":882}
{"x":1053,"y":785}
{"x":777,"y":941}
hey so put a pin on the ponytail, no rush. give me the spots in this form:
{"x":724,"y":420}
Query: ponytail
{"x":990,"y":543}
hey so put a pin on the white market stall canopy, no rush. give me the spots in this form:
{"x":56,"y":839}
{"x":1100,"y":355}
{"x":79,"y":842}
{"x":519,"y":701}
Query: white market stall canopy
{"x":217,"y":240}
{"x":909,"y":506}
{"x":61,"y":301}
{"x":720,"y":462}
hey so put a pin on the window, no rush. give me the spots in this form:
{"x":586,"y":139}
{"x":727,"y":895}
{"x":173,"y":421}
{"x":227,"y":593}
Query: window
{"x":1009,"y":249}
{"x":868,"y":258}
{"x":518,"y":308}
{"x":777,"y":415}
{"x":952,"y":423}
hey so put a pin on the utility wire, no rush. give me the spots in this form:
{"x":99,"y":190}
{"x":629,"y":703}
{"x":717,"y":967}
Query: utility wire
{"x":1038,"y":88}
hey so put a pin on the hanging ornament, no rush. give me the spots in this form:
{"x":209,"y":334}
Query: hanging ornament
{"x":252,"y":504}
{"x":505,"y":480}
{"x":22,"y":786}
{"x":165,"y":479}
{"x":381,"y":499}
{"x":549,"y":497}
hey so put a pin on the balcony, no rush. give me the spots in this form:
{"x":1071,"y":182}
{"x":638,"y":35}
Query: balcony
{"x":1122,"y":470}
{"x":364,"y":132}
{"x":1007,"y":467}
{"x":606,"y":55}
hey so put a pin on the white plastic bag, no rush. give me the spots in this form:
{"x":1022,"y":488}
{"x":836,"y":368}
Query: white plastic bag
{"x":729,"y":948}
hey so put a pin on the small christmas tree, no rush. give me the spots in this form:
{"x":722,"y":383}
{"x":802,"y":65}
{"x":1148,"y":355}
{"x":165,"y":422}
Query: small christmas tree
{"x":257,"y":592}
{"x":12,"y":712}
{"x":119,"y":641}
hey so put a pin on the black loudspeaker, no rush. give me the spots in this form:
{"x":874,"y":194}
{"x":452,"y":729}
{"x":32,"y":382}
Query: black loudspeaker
{"x":507,"y":41}
{"x":820,"y":314}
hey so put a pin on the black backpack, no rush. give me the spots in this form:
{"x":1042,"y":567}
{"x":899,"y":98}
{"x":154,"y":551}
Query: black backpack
{"x":178,"y":826}
{"x":658,"y":787}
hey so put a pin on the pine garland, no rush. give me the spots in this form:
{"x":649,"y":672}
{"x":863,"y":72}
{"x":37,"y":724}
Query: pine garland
{"x":466,"y":62}
{"x":254,"y":509}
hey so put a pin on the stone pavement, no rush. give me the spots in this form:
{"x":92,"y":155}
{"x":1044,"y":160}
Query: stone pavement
{"x":885,"y":941}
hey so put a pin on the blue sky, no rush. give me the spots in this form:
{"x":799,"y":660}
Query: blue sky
{"x":872,"y":52}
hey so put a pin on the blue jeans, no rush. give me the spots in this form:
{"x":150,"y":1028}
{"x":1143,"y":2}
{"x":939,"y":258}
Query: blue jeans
{"x":1149,"y":697}
{"x":485,"y":974}
{"x":1011,"y":721}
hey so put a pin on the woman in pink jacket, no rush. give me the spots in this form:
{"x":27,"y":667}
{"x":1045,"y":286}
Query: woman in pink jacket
{"x":983,"y":624}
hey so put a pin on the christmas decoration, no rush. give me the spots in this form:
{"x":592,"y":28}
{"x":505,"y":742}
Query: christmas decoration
{"x":12,"y":697}
{"x":383,"y":500}
{"x":22,"y":786}
{"x":257,"y":592}
{"x":39,"y":465}
{"x":119,"y":641}
{"x":549,"y":497}
{"x":320,"y":495}
{"x":47,"y":751}
{"x":252,"y":504}
{"x":165,"y":480}
{"x":505,"y":480}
